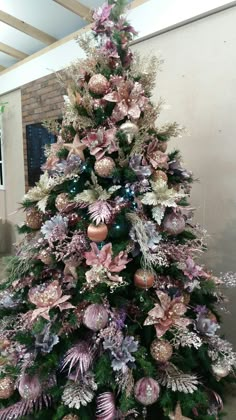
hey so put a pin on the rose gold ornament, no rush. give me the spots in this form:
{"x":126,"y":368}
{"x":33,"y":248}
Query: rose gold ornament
{"x":6,"y":387}
{"x":159,"y":174}
{"x":29,"y":387}
{"x":173,"y":224}
{"x":162,"y":146}
{"x":70,"y":417}
{"x":104,"y":167}
{"x":146,"y":391}
{"x":98,"y":84}
{"x":95,"y":317}
{"x":220,"y":370}
{"x":144,"y":279}
{"x":45,"y":294}
{"x":62,"y":202}
{"x":130,"y":129}
{"x":34,"y":218}
{"x":4,"y":343}
{"x":45,"y":257}
{"x":97,"y":233}
{"x":161,"y":350}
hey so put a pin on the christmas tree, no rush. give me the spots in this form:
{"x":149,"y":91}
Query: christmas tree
{"x":105,"y":313}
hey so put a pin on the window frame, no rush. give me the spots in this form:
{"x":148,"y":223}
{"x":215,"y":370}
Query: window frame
{"x":2,"y":186}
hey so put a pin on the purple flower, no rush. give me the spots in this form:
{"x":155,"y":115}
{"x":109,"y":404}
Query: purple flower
{"x":72,"y":165}
{"x":55,"y":229}
{"x":121,"y":354}
{"x":205,"y":325}
{"x":141,"y":170}
{"x":175,"y":168}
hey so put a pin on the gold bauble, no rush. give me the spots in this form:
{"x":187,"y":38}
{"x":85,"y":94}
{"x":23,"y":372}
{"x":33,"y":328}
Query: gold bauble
{"x":62,"y":202}
{"x":130,"y":129}
{"x":70,"y":417}
{"x":97,"y":233}
{"x":144,"y":279}
{"x":34,"y":218}
{"x":161,"y":350}
{"x":104,"y":167}
{"x":45,"y":257}
{"x":159,"y":175}
{"x":98,"y":84}
{"x":220,"y":371}
{"x":6,"y":387}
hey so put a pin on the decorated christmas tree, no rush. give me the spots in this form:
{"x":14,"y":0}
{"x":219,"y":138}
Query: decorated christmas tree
{"x":105,"y":313}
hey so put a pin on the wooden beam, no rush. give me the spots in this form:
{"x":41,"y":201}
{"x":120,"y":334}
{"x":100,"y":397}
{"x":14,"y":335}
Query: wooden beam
{"x":20,"y":25}
{"x":2,"y":68}
{"x":12,"y":51}
{"x":76,"y":7}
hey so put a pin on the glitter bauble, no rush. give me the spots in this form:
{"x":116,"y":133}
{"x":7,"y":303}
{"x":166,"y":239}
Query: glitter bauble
{"x":4,"y":343}
{"x":173,"y":224}
{"x":130,"y":129}
{"x":144,"y":279}
{"x":33,"y":218}
{"x":6,"y":387}
{"x":161,"y":350}
{"x":146,"y":391}
{"x":29,"y":387}
{"x":45,"y":257}
{"x":95,"y":317}
{"x":62,"y":202}
{"x":162,"y":146}
{"x":45,"y":294}
{"x":220,"y":370}
{"x":70,"y":417}
{"x":98,"y":84}
{"x":104,"y":167}
{"x":97,"y":233}
{"x":159,"y":175}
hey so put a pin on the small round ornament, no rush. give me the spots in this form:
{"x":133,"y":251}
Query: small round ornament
{"x":173,"y":224}
{"x":144,"y":279}
{"x":70,"y":417}
{"x":29,"y":387}
{"x":33,"y":218}
{"x":104,"y":167}
{"x":6,"y":387}
{"x":98,"y":84}
{"x":97,"y":233}
{"x":159,"y":175}
{"x":146,"y":391}
{"x":220,"y":370}
{"x":45,"y":257}
{"x":95,"y":317}
{"x":130,"y":129}
{"x":162,"y":146}
{"x":45,"y":294}
{"x":62,"y":202}
{"x":161,"y":350}
{"x":73,"y":218}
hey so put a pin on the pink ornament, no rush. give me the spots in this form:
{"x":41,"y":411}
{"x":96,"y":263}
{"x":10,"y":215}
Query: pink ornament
{"x":95,"y":317}
{"x":146,"y":391}
{"x":106,"y":409}
{"x":29,"y":387}
{"x":104,"y":167}
{"x":173,"y":224}
{"x":98,"y":84}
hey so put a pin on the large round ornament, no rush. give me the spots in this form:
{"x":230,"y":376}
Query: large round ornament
{"x":45,"y":294}
{"x":161,"y":350}
{"x":70,"y":417}
{"x":146,"y":391}
{"x":97,"y":233}
{"x":62,"y":202}
{"x":104,"y":167}
{"x":29,"y":387}
{"x":144,"y":279}
{"x":220,"y":370}
{"x":98,"y":84}
{"x":173,"y":224}
{"x":130,"y":129}
{"x":45,"y":257}
{"x":95,"y":317}
{"x":33,"y":218}
{"x":159,"y":175}
{"x":6,"y":387}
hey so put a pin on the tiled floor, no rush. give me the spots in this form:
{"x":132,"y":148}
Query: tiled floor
{"x":230,"y":406}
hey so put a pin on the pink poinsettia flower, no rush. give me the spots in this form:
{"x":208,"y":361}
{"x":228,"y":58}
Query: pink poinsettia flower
{"x":129,"y":98}
{"x":101,"y":142}
{"x":102,"y":22}
{"x":167,"y":313}
{"x":192,"y":270}
{"x":155,"y":157}
{"x":109,"y":50}
{"x":103,"y":258}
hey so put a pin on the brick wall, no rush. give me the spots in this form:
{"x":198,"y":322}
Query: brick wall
{"x":42,"y":99}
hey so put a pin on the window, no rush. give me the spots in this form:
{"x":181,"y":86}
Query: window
{"x":1,"y":159}
{"x":37,"y":136}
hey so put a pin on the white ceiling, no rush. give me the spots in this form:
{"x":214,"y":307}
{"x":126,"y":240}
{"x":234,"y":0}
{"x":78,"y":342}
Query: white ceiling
{"x":45,"y":15}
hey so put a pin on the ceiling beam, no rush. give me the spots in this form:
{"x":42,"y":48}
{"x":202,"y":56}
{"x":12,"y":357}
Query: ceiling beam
{"x":2,"y":68}
{"x":20,"y":25}
{"x":12,"y":51}
{"x":76,"y":7}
